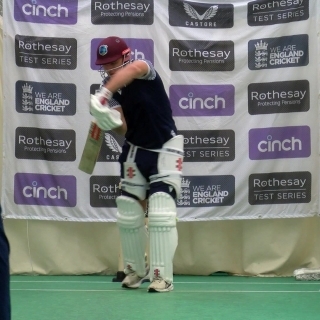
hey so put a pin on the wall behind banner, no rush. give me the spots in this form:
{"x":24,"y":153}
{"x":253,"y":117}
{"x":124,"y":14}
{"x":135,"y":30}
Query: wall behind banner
{"x":234,"y":246}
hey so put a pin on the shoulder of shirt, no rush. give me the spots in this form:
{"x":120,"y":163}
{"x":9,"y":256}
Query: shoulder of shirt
{"x":152,"y":71}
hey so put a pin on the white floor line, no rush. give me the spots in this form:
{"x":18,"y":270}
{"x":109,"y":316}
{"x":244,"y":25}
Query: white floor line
{"x":176,"y":282}
{"x":256,"y":283}
{"x":177,"y":291}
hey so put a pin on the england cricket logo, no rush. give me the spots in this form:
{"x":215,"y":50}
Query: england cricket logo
{"x":184,"y":198}
{"x":261,"y":55}
{"x":27,"y":101}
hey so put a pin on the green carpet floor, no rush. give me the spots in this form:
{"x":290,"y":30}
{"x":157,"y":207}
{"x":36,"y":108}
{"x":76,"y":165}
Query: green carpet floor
{"x":194,"y":297}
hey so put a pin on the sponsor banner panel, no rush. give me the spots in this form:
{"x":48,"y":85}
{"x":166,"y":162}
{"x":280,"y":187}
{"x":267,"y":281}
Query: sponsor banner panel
{"x":201,"y":100}
{"x":242,"y":80}
{"x":46,"y":98}
{"x":45,"y":190}
{"x":279,"y":187}
{"x":111,"y":147}
{"x":279,"y":52}
{"x":277,"y":143}
{"x":47,"y":12}
{"x":45,"y":144}
{"x":265,"y":12}
{"x":197,"y":55}
{"x":209,"y":145}
{"x":46,"y":53}
{"x":207,"y":191}
{"x":122,"y":12}
{"x":192,"y":14}
{"x":103,"y":191}
{"x":279,"y":97}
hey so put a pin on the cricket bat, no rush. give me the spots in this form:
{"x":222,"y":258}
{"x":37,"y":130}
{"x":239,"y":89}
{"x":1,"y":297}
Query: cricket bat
{"x":91,"y":148}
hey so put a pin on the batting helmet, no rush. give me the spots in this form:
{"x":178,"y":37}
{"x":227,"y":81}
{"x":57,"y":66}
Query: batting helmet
{"x":111,"y":49}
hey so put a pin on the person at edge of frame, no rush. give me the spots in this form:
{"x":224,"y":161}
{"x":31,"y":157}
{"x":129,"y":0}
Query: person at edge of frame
{"x":132,"y":101}
{"x":5,"y":307}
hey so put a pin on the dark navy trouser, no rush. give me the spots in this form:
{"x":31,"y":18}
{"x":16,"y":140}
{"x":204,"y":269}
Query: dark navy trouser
{"x":5,"y":312}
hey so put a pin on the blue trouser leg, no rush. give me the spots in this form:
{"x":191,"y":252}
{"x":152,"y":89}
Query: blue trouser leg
{"x":4,"y":275}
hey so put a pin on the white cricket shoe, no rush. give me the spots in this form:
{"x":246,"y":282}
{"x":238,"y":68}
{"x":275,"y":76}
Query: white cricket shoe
{"x":160,"y":285}
{"x":307,"y":274}
{"x":133,"y":281}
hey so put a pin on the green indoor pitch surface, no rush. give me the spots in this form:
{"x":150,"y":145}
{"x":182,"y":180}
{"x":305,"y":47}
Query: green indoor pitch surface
{"x":194,"y":297}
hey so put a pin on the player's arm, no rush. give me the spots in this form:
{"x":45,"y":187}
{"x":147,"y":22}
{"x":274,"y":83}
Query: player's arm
{"x":134,"y":70}
{"x":111,"y":119}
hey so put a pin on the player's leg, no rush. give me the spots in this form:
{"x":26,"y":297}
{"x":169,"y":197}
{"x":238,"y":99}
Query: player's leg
{"x":133,"y":235}
{"x":163,"y":240}
{"x":4,"y":275}
{"x":165,"y":185}
{"x":131,"y":220}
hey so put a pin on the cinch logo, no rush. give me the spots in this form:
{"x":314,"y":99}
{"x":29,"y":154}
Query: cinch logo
{"x":197,"y":55}
{"x":283,"y":52}
{"x":122,"y":12}
{"x":198,"y":100}
{"x":104,"y":191}
{"x":46,"y":98}
{"x":46,"y":53}
{"x":207,"y":191}
{"x":279,"y":97}
{"x":266,"y":12}
{"x":208,"y":145}
{"x":45,"y":190}
{"x":140,"y":49}
{"x":282,"y":142}
{"x":200,"y":15}
{"x":44,"y":11}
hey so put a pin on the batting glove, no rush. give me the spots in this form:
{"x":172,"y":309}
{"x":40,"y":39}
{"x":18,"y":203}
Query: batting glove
{"x":104,"y":95}
{"x":107,"y":118}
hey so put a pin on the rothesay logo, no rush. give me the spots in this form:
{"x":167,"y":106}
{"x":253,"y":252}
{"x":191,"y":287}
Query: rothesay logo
{"x":192,"y":14}
{"x":208,"y":145}
{"x":46,"y":53}
{"x":139,"y":12}
{"x":280,"y":188}
{"x":46,"y":11}
{"x":279,"y":97}
{"x":199,"y":55}
{"x":266,"y":12}
{"x":104,"y":191}
{"x":45,"y":144}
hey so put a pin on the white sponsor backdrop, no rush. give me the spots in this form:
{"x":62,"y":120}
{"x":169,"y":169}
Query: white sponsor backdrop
{"x":46,"y":184}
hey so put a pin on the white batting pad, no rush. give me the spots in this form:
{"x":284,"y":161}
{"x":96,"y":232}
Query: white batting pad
{"x":133,"y":235}
{"x":163,"y":235}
